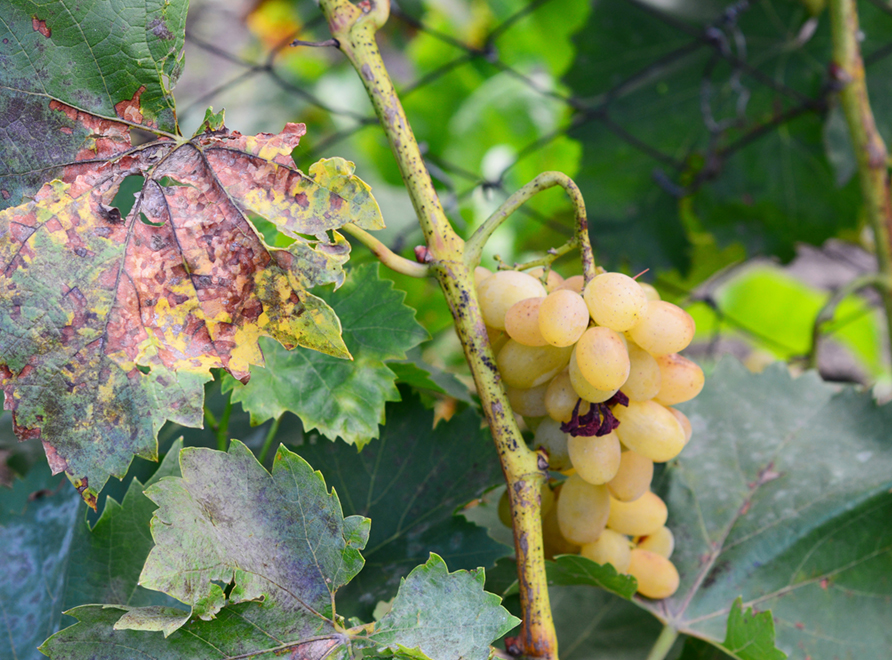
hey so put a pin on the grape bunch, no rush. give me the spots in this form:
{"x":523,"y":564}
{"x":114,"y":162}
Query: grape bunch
{"x":595,"y":371}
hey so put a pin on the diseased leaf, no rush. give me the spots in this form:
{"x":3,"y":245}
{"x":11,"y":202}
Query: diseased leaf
{"x":444,"y":615}
{"x":281,"y":546}
{"x":340,"y":399}
{"x":410,"y":482}
{"x":110,"y":325}
{"x":783,"y":498}
{"x":110,"y":58}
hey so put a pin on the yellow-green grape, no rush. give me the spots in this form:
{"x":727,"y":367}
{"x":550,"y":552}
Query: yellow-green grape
{"x":610,"y":548}
{"x":632,"y":479}
{"x":602,"y":358}
{"x":681,"y":379}
{"x":522,"y":322}
{"x":574,"y":283}
{"x":650,"y":429}
{"x":561,"y":398}
{"x":596,"y":458}
{"x":480,"y":274}
{"x":649,"y":291}
{"x":582,"y":510}
{"x":638,"y":518}
{"x":657,"y":576}
{"x":554,"y":542}
{"x":529,"y":403}
{"x":505,"y":510}
{"x":615,"y":301}
{"x":643,"y":382}
{"x":501,"y":290}
{"x":563,"y":317}
{"x":665,"y":328}
{"x":546,"y":500}
{"x":662,"y":542}
{"x":552,"y":280}
{"x":583,"y":388}
{"x":497,"y":339}
{"x":529,"y":366}
{"x":554,"y":441}
{"x":685,"y":423}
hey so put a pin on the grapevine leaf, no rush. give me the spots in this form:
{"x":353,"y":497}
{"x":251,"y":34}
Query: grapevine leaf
{"x":750,"y":636}
{"x":110,"y":325}
{"x":442,"y":615}
{"x":281,"y":546}
{"x":576,"y":569}
{"x":783,"y":498}
{"x":340,"y":399}
{"x":409,"y":482}
{"x":37,"y":522}
{"x":417,"y":373}
{"x":110,"y":58}
{"x":279,"y":538}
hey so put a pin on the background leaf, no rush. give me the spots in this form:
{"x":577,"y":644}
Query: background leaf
{"x":340,"y":398}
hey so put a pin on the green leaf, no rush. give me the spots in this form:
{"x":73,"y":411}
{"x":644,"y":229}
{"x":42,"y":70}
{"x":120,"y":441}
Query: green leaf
{"x":750,"y":636}
{"x":442,"y":615}
{"x":417,"y":373}
{"x":339,"y":398}
{"x":111,"y":59}
{"x":576,"y":569}
{"x":410,"y":482}
{"x":783,"y":498}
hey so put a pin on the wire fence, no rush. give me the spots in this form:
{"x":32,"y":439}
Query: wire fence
{"x":731,"y":73}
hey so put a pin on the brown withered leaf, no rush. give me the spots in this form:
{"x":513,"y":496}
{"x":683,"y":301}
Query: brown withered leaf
{"x":109,"y":325}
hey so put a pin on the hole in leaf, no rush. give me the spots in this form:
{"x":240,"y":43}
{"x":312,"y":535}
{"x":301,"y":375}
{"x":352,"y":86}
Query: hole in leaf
{"x":270,"y":232}
{"x":124,"y":198}
{"x":139,"y":136}
{"x":144,"y":369}
{"x":146,"y":221}
{"x":167,"y":182}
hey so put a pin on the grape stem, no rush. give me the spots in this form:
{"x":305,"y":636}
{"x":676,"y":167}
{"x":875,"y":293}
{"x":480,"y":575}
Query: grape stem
{"x":385,"y":255}
{"x":553,"y":255}
{"x":663,"y":644}
{"x":354,"y":27}
{"x":847,"y":70}
{"x":544,"y":181}
{"x":825,"y":315}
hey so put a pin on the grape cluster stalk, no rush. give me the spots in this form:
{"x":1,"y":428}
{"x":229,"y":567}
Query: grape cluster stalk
{"x":594,"y":370}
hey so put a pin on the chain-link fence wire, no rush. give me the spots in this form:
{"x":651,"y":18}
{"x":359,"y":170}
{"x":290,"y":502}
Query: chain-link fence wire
{"x":242,"y":57}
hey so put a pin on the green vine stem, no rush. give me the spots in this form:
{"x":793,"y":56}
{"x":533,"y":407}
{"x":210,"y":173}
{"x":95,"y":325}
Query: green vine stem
{"x":544,"y":181}
{"x":877,"y":280}
{"x":870,"y":150}
{"x":545,"y":262}
{"x":663,"y":644}
{"x":387,"y":257}
{"x":354,"y":28}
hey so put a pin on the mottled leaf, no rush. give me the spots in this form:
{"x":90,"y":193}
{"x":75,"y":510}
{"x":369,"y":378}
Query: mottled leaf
{"x":113,"y":59}
{"x":339,"y":398}
{"x":783,"y":498}
{"x":409,"y":482}
{"x":110,"y":325}
{"x":443,"y":615}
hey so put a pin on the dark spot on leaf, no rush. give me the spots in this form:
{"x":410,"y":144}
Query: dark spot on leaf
{"x":158,"y":243}
{"x":5,"y":193}
{"x":111,"y":214}
{"x":715,"y":573}
{"x":159,"y":29}
{"x":40,"y":26}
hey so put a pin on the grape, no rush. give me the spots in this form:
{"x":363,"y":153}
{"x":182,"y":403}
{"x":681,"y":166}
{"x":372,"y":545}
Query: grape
{"x":497,"y":339}
{"x":552,"y":280}
{"x":554,"y":542}
{"x":561,"y":398}
{"x":615,"y":301}
{"x":650,"y":429}
{"x":662,"y":542}
{"x":522,"y":322}
{"x":632,"y":478}
{"x":480,"y":274}
{"x":665,"y":328}
{"x":602,"y":358}
{"x":582,"y":510}
{"x":583,"y":388}
{"x":644,"y":378}
{"x":681,"y":379}
{"x":638,"y":518}
{"x":505,"y":510}
{"x":685,"y":423}
{"x":529,"y":403}
{"x":574,"y":284}
{"x":554,"y":441}
{"x":595,"y":459}
{"x":528,"y":366}
{"x":657,"y":576}
{"x":649,"y":292}
{"x":610,"y":548}
{"x":563,"y":317}
{"x":500,"y":291}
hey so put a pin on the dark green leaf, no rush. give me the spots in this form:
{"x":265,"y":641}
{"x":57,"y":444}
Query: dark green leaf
{"x":340,"y":398}
{"x":414,"y":371}
{"x":409,"y":482}
{"x":750,"y":636}
{"x":575,"y":569}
